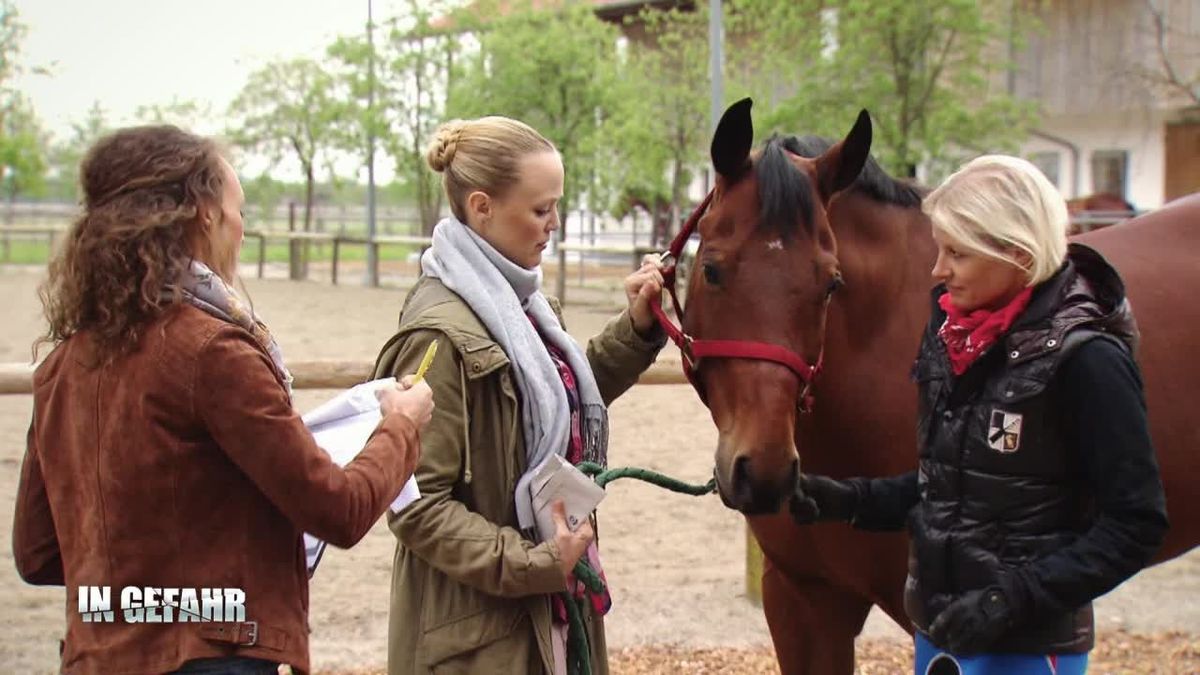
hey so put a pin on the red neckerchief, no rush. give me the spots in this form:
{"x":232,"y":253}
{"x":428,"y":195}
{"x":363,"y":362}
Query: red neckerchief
{"x":969,"y":335}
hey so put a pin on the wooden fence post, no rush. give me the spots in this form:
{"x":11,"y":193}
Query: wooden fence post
{"x":754,"y":568}
{"x":337,"y":244}
{"x":295,"y":272}
{"x":262,"y":254}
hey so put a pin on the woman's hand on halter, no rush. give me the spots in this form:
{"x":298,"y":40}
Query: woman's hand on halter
{"x":643,"y":288}
{"x":571,"y":545}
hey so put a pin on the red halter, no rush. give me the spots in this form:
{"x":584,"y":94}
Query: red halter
{"x":694,"y":350}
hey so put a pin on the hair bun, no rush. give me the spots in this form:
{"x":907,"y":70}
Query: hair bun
{"x":445,"y":144}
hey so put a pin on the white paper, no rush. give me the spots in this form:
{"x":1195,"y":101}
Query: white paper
{"x":341,"y":426}
{"x":554,"y":479}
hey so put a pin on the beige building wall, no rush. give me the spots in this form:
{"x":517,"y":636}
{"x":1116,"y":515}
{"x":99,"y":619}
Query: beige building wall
{"x":1096,"y":71}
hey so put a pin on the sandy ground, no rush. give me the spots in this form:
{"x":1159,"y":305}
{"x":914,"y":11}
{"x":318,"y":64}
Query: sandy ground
{"x":675,"y":563}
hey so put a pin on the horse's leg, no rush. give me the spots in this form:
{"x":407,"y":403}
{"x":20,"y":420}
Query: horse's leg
{"x":813,"y":623}
{"x":891,"y":601}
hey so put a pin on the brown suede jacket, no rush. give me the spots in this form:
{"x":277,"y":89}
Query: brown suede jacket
{"x":184,"y":465}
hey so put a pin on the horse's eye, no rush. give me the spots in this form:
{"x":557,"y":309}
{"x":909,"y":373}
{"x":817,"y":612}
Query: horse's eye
{"x":711,"y":274}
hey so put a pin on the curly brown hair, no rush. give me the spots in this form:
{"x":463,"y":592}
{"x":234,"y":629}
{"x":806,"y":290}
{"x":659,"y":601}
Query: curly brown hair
{"x":144,"y":191}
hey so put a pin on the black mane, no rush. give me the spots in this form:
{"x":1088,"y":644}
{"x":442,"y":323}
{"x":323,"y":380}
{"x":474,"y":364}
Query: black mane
{"x":873,"y":180}
{"x":782,"y":190}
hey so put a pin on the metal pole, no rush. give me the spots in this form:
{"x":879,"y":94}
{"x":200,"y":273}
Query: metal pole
{"x":715,"y":38}
{"x":372,"y":251}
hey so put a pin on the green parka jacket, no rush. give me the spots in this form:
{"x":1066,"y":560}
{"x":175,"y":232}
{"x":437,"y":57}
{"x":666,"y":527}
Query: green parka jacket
{"x":469,"y":594}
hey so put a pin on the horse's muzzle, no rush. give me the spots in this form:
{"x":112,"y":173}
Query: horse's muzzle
{"x":753,"y":495}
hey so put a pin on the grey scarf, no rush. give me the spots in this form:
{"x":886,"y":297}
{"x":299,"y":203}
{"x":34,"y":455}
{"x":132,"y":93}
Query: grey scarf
{"x":203,"y":288}
{"x":500,"y":292}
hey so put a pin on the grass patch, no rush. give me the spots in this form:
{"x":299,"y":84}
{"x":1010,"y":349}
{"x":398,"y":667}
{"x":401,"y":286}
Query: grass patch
{"x":25,"y":251}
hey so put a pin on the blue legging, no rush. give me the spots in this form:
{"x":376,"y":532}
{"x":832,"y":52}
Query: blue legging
{"x":933,"y":661}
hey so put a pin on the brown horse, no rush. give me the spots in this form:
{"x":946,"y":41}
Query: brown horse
{"x":786,"y":226}
{"x":1098,"y":210}
{"x":1101,"y":201}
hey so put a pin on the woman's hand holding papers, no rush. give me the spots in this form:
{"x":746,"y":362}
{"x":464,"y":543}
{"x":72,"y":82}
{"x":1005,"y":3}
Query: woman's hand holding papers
{"x":571,"y":545}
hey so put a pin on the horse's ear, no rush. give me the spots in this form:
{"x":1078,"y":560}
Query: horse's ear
{"x":732,"y":139}
{"x":841,"y":164}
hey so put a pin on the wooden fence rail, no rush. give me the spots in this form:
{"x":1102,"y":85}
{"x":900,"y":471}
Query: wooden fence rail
{"x":17,"y":378}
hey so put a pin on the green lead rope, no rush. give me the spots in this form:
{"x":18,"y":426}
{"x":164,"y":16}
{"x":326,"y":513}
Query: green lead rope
{"x":579,"y":658}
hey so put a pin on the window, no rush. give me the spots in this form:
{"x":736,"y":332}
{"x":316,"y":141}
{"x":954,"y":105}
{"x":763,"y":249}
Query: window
{"x":1050,"y":164}
{"x":1110,"y":172}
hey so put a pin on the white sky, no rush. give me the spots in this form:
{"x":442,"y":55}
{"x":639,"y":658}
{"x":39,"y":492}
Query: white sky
{"x":130,"y":53}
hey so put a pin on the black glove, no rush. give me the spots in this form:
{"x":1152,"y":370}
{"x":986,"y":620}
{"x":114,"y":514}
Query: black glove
{"x":973,"y":623}
{"x":818,"y":499}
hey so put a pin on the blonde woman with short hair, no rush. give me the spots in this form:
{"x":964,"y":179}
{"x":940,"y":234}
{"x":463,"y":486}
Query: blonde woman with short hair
{"x":1037,"y":489}
{"x":474,"y":588}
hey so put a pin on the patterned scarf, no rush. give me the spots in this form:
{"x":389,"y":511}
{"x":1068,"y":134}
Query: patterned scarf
{"x":204,"y":289}
{"x":969,"y":334}
{"x":602,"y":601}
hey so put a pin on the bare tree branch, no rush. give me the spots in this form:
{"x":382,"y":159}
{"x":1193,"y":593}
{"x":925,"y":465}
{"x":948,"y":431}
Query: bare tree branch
{"x":1172,"y":77}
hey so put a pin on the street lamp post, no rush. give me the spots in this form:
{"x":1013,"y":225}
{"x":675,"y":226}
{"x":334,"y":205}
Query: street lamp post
{"x":372,"y":248}
{"x":715,"y":38}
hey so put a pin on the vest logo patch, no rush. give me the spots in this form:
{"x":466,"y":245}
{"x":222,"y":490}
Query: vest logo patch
{"x":1004,"y":432}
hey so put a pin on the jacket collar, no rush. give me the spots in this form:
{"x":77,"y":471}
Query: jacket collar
{"x":1086,"y":292}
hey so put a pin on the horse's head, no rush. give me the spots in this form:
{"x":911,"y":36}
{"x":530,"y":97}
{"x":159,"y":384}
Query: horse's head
{"x":762,"y":282}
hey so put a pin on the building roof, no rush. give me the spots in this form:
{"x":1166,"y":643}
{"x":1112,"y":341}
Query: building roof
{"x":607,"y":10}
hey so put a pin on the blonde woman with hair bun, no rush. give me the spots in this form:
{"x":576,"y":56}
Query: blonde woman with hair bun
{"x":1037,"y":488}
{"x":474,"y":587}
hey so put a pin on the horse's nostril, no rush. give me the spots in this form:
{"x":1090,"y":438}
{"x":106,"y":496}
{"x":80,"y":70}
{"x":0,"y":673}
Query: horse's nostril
{"x":739,"y":469}
{"x":742,"y":489}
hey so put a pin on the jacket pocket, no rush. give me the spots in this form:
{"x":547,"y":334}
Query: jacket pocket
{"x":482,"y":357}
{"x":465,"y":643}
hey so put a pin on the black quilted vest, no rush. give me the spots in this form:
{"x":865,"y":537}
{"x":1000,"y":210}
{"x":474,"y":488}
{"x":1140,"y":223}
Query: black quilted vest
{"x":999,"y":482}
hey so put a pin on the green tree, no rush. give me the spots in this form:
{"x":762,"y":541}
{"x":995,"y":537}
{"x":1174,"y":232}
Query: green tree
{"x":287,"y":110}
{"x":420,"y":66}
{"x":12,"y":32}
{"x":66,"y":155}
{"x":554,"y":70}
{"x":183,"y":113}
{"x":661,"y":129}
{"x":264,"y":194}
{"x":413,"y":62}
{"x":930,"y":71}
{"x":356,"y":124}
{"x":23,"y":143}
{"x":22,"y":151}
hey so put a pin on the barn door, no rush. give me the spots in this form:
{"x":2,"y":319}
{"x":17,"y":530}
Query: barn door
{"x":1183,"y":160}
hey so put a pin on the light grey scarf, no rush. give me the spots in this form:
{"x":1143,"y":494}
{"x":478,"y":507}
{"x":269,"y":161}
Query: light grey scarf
{"x":500,"y":292}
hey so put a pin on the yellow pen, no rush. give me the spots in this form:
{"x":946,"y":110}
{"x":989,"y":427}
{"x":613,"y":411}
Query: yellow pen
{"x":425,"y":361}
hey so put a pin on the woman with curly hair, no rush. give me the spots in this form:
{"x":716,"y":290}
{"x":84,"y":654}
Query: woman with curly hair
{"x":164,"y":451}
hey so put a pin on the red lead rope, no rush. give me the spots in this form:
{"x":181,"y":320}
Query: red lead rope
{"x":694,"y":350}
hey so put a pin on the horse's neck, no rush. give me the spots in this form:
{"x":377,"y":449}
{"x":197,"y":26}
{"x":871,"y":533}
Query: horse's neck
{"x":865,"y":402}
{"x":886,"y":255}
